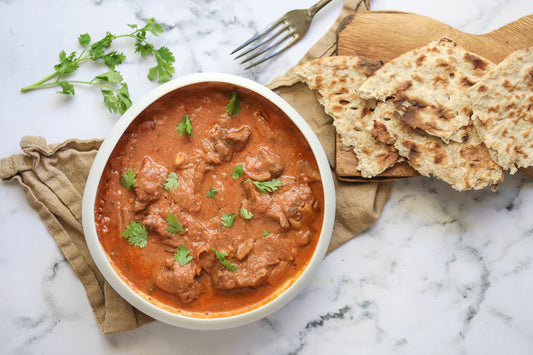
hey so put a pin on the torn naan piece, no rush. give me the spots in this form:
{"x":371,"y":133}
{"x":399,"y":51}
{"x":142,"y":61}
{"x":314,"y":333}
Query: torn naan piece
{"x":503,"y":110}
{"x":336,"y":80}
{"x":464,"y":165}
{"x":429,"y":84}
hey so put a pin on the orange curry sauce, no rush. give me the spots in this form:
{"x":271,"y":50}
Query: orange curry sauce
{"x":269,"y":250}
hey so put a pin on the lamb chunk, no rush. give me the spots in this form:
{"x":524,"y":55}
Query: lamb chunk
{"x":226,"y":142}
{"x":186,"y":195}
{"x":293,"y":205}
{"x":298,"y":203}
{"x":264,"y":166}
{"x":268,"y":257}
{"x":263,"y":204}
{"x":149,"y":181}
{"x":180,"y":280}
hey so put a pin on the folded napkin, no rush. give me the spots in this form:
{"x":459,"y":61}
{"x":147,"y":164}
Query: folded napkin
{"x":54,"y":176}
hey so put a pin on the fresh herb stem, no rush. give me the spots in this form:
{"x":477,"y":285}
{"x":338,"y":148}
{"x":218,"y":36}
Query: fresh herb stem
{"x":42,"y":86}
{"x":113,"y":87}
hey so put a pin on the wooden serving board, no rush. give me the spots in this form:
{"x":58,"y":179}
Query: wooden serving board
{"x":384,"y":35}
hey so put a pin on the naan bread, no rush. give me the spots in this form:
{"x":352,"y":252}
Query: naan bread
{"x":464,"y":165}
{"x":429,"y":84}
{"x":336,"y":79}
{"x":503,"y":110}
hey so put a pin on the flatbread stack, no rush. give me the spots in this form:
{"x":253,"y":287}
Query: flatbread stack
{"x":449,"y":112}
{"x":336,"y":79}
{"x":430,"y":83}
{"x":502,"y":102}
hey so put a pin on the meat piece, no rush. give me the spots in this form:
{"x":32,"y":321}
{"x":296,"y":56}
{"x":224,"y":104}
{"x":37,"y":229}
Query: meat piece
{"x":294,"y":204}
{"x":268,"y":258}
{"x":264,"y":204}
{"x":228,"y":141}
{"x":186,"y":195}
{"x":264,"y":166}
{"x":298,"y":203}
{"x":180,"y":280}
{"x":149,"y":181}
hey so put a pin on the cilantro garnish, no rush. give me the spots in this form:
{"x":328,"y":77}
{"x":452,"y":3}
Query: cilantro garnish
{"x":182,"y":255}
{"x":222,"y":258}
{"x":227,"y":220}
{"x":211,"y":193}
{"x":171,"y":181}
{"x":174,"y":227}
{"x":111,"y":84}
{"x":185,"y":127}
{"x":136,"y":234}
{"x":128,"y":179}
{"x":267,"y":186}
{"x":164,"y":69}
{"x":237,"y":172}
{"x":265,"y":233}
{"x":234,"y":105}
{"x":245,"y":213}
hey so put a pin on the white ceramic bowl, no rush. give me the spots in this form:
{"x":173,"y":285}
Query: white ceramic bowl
{"x":103,"y":262}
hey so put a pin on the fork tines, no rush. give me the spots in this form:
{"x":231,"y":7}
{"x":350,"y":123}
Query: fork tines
{"x":267,"y":43}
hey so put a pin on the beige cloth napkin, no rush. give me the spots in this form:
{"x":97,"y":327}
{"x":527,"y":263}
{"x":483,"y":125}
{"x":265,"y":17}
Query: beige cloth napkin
{"x":54,"y":176}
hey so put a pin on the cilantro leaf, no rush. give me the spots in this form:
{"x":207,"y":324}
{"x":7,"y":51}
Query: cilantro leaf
{"x":128,"y":179}
{"x":174,"y":227}
{"x":68,"y":88}
{"x":153,"y":27}
{"x":136,"y":234}
{"x":265,"y":233}
{"x":222,"y":258}
{"x":117,"y":100}
{"x":144,"y":48}
{"x":234,"y":105}
{"x":84,"y":39}
{"x":237,"y":172}
{"x":182,"y":255}
{"x":227,"y":220}
{"x":171,"y":181}
{"x":211,"y":193}
{"x":112,"y":76}
{"x":67,"y":64}
{"x":185,"y":126}
{"x":113,"y":59}
{"x":245,"y":213}
{"x":164,"y":69}
{"x":97,"y":48}
{"x":267,"y":186}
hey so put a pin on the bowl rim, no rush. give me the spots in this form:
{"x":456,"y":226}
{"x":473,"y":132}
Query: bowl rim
{"x":104,"y":264}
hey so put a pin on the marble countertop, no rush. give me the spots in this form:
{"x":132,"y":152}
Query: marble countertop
{"x":441,"y":272}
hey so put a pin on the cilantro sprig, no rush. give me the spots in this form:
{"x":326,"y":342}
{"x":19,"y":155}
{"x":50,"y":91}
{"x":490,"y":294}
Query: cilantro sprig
{"x":111,"y":83}
{"x":171,"y":182}
{"x":182,"y":255}
{"x":211,"y":193}
{"x":222,"y":258}
{"x":234,"y":105}
{"x":245,"y":213}
{"x":174,"y":226}
{"x":185,"y":126}
{"x":128,"y":179}
{"x":238,"y":171}
{"x":227,"y":220}
{"x":267,"y":186}
{"x":136,"y":234}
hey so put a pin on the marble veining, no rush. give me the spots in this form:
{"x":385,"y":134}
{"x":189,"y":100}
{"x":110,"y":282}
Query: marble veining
{"x":441,"y":272}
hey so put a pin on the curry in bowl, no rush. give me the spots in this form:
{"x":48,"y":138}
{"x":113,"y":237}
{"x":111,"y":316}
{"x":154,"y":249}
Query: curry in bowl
{"x":211,"y":203}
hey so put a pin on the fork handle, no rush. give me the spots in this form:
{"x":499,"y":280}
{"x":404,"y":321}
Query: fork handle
{"x":316,"y":7}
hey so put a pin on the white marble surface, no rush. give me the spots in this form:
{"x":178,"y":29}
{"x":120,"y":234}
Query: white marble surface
{"x":440,"y":272}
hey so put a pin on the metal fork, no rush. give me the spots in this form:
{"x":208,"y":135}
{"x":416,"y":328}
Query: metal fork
{"x":294,"y":24}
